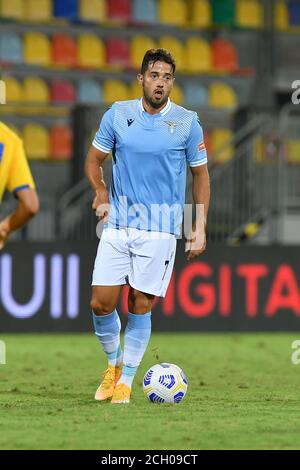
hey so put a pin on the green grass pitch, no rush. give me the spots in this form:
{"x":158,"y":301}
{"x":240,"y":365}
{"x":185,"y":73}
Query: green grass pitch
{"x":244,"y":393}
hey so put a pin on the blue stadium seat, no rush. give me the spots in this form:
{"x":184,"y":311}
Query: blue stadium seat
{"x":294,"y":13}
{"x":89,"y":92}
{"x":65,"y":9}
{"x":145,"y":11}
{"x":195,"y":94}
{"x":11,"y":49}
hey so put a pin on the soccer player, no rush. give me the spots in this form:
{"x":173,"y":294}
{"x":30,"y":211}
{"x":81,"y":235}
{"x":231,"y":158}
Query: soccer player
{"x":152,"y":140}
{"x":16,"y":177}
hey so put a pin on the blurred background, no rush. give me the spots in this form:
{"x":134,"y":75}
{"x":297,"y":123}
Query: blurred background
{"x":64,"y":61}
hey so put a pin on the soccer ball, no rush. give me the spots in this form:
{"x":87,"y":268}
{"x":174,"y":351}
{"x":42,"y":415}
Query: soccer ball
{"x":165,"y":383}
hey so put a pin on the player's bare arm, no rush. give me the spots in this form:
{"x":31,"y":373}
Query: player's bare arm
{"x":94,"y":173}
{"x":201,"y":195}
{"x":28,"y":206}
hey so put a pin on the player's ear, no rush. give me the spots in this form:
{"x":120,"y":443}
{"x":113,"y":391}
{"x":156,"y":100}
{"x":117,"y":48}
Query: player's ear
{"x":140,"y":78}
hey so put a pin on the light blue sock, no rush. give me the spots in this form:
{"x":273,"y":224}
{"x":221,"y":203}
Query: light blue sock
{"x":107,"y":330}
{"x":137,"y":335}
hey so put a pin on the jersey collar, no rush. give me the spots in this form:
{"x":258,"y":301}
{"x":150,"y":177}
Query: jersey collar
{"x":163,"y":112}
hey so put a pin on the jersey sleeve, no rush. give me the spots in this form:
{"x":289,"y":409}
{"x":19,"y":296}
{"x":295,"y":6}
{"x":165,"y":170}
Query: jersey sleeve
{"x":105,"y":138}
{"x":19,"y":176}
{"x":195,"y":147}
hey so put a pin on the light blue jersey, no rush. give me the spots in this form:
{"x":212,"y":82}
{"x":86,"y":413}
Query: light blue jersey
{"x":150,"y":153}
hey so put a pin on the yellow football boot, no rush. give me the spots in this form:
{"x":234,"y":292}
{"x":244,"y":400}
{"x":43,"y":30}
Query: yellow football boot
{"x":121,"y":394}
{"x":110,"y":377}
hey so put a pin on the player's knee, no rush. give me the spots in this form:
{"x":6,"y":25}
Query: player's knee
{"x":100,"y":307}
{"x":139,"y":302}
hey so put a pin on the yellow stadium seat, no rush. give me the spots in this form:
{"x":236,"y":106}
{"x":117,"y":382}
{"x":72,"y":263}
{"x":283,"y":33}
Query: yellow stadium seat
{"x":35,"y":90}
{"x":176,"y":48}
{"x":13,"y":90}
{"x":38,"y":10}
{"x":175,"y":13}
{"x":221,"y":95}
{"x":135,"y":90}
{"x":138,"y":46}
{"x":221,"y":138}
{"x":177,"y":95}
{"x":198,"y":55}
{"x":115,"y":90}
{"x":281,"y":15}
{"x":12,"y":9}
{"x":293,"y":151}
{"x":92,"y":10}
{"x":249,"y":14}
{"x":37,"y":49}
{"x":91,"y":51}
{"x":36,"y":141}
{"x":200,"y":14}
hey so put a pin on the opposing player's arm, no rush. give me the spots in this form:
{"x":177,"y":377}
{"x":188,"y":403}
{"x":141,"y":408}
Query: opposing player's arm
{"x":20,"y":183}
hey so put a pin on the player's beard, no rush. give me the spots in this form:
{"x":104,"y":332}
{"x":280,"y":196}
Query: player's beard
{"x":156,"y":104}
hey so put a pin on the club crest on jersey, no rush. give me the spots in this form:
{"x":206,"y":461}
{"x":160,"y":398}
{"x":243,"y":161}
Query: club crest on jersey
{"x":172,"y":126}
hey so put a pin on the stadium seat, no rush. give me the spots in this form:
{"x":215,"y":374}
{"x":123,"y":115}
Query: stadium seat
{"x":293,"y":151}
{"x":294,"y":13}
{"x":14,"y":90}
{"x":249,"y":14}
{"x":11,"y":49}
{"x":64,"y":50}
{"x":175,"y":15}
{"x":92,"y":10}
{"x":89,"y":92}
{"x":225,"y":56}
{"x":135,"y":90}
{"x":177,"y":95}
{"x":117,"y":52}
{"x":35,"y":90}
{"x":221,"y":138}
{"x":38,"y":10}
{"x":281,"y":15}
{"x":221,"y":95}
{"x":144,"y":12}
{"x":37,"y":49}
{"x":115,"y":90}
{"x":61,"y":141}
{"x":195,"y":94}
{"x":176,"y":48}
{"x":65,"y":9}
{"x":200,"y":14}
{"x":138,"y":46}
{"x":119,"y":11}
{"x":90,"y":51}
{"x":63,"y":91}
{"x":36,"y":141}
{"x":223,"y":12}
{"x":12,"y":9}
{"x":198,"y":55}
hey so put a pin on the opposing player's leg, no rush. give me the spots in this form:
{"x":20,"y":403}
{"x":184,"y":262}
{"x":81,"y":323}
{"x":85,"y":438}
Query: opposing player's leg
{"x":107,"y":329}
{"x":137,"y":335}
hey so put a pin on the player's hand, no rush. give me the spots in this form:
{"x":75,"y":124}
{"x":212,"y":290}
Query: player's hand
{"x":195,"y":243}
{"x":4,"y":234}
{"x":101,"y":204}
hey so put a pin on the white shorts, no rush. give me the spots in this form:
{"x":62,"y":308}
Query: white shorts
{"x":142,"y":259}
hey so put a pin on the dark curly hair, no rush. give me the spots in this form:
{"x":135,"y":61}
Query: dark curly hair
{"x":154,"y":55}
